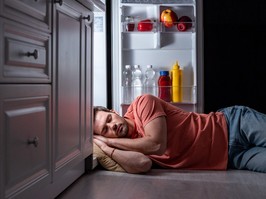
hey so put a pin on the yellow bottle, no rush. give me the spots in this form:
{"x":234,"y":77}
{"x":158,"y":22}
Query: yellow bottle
{"x":180,"y":88}
{"x":177,"y":75}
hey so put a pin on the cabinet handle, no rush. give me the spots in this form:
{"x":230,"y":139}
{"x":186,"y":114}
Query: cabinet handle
{"x":88,"y":17}
{"x":60,"y":2}
{"x":35,"y":54}
{"x":34,"y":141}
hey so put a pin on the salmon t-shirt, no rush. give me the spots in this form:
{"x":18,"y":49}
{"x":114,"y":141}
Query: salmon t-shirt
{"x":194,"y":140}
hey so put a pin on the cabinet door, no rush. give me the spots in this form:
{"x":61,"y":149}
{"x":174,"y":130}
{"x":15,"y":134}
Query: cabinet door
{"x":25,"y":139}
{"x":72,"y":88}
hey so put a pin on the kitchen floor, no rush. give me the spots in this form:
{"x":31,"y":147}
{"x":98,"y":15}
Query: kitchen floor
{"x":164,"y":184}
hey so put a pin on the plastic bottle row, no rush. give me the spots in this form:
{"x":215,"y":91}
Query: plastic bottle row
{"x":168,"y":86}
{"x":133,"y":79}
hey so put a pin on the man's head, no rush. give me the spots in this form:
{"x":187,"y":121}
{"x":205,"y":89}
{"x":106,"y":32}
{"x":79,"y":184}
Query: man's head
{"x":108,"y":123}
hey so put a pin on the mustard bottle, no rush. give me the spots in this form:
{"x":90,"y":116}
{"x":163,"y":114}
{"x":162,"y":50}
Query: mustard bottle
{"x":176,"y":75}
{"x":180,"y":88}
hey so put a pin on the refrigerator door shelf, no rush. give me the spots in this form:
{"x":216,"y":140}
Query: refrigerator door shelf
{"x":187,"y":93}
{"x":130,"y":27}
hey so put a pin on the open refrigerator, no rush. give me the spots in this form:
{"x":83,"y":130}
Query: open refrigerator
{"x":160,"y":47}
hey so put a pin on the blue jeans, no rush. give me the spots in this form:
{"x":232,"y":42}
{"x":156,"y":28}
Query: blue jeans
{"x":247,"y":138}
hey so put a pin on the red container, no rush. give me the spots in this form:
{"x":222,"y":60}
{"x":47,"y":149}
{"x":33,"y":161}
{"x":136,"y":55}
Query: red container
{"x":145,"y":25}
{"x":164,"y":84}
{"x":130,"y":25}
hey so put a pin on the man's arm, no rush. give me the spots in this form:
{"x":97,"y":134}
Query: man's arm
{"x":131,"y":161}
{"x":153,"y":143}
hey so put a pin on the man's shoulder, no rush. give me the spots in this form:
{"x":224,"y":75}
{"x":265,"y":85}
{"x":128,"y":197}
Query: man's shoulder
{"x":147,"y":97}
{"x":147,"y":101}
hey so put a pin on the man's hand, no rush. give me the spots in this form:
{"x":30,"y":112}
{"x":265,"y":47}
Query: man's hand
{"x":131,"y":161}
{"x":100,"y":140}
{"x":99,"y":143}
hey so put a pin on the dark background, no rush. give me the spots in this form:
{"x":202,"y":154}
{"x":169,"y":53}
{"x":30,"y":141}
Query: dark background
{"x":234,"y":54}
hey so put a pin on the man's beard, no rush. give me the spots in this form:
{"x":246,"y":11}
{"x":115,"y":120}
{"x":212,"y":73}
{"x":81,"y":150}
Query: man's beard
{"x":123,"y":131}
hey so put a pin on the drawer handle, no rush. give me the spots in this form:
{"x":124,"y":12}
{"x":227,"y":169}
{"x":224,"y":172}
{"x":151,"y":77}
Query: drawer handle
{"x":35,"y":54}
{"x":60,"y":2}
{"x":88,"y":17}
{"x":34,"y":141}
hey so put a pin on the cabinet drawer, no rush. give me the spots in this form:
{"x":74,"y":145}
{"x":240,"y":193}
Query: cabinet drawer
{"x":34,"y":13}
{"x":25,"y":135}
{"x":25,"y":55}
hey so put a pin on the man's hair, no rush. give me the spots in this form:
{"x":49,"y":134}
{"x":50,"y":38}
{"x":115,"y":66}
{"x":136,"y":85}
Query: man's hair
{"x":99,"y":108}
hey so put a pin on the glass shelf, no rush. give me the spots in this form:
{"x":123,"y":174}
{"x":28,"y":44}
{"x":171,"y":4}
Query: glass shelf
{"x":188,"y":93}
{"x":130,"y":27}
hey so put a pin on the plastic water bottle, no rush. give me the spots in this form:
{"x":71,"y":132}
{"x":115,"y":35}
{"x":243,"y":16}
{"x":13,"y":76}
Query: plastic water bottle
{"x":149,"y":83}
{"x":137,"y":81}
{"x":127,"y":81}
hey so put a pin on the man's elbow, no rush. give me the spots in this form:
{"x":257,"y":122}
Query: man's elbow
{"x":143,"y":165}
{"x":159,"y":149}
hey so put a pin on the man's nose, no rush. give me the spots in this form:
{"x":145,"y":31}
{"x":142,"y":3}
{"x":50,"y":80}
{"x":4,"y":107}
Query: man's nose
{"x":113,"y":126}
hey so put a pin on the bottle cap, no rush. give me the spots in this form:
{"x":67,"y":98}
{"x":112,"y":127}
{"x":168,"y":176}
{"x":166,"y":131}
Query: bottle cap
{"x":127,"y":66}
{"x":149,"y":66}
{"x":129,"y":18}
{"x":175,"y":66}
{"x":164,"y":72}
{"x":136,"y":66}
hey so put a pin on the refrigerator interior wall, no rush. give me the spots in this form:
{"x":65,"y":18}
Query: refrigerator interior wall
{"x":99,"y":60}
{"x":161,"y":47}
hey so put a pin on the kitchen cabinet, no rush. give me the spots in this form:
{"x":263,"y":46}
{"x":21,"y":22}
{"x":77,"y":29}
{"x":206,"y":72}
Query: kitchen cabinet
{"x":25,"y":32}
{"x":45,"y":96}
{"x":72,"y":94}
{"x":25,"y":139}
{"x":33,"y":13}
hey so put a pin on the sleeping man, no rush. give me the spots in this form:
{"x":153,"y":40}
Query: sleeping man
{"x":155,"y":132}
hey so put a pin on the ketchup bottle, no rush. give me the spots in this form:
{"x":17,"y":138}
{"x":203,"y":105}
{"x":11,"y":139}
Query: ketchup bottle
{"x":164,"y":84}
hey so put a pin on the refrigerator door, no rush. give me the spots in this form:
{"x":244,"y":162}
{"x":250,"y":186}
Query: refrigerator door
{"x":140,"y":36}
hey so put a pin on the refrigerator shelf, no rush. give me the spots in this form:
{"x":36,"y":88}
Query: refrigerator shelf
{"x":187,"y":93}
{"x":130,"y":27}
{"x":159,"y":40}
